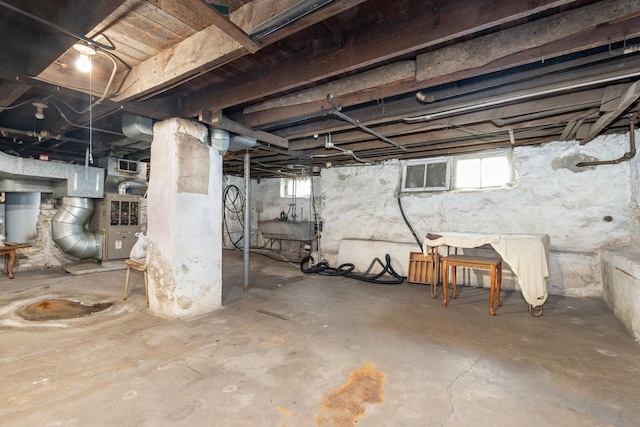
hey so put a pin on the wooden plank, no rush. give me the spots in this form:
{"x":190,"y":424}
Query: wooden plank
{"x":387,"y":39}
{"x":381,"y":76}
{"x":283,"y":114}
{"x":179,"y":63}
{"x":630,"y":96}
{"x":589,"y":26}
{"x":514,"y":81}
{"x":568,"y":130}
{"x":372,"y":116}
{"x":192,"y":10}
{"x":188,"y":59}
{"x":612,"y":97}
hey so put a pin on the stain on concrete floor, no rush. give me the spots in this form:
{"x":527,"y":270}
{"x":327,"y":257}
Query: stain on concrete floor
{"x":51,"y":309}
{"x":344,"y":406}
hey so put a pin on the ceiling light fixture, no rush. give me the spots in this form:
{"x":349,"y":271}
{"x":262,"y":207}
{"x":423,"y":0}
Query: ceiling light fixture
{"x":83,"y":63}
{"x":40,"y":106}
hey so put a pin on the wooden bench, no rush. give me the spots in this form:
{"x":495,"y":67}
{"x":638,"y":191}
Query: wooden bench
{"x":494,"y":264}
{"x":9,"y":251}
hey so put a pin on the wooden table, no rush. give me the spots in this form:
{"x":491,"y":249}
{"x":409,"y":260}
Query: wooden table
{"x":526,"y":254}
{"x":9,"y":252}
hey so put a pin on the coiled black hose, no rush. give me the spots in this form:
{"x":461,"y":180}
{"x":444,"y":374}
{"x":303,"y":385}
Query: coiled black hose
{"x":231,"y":196}
{"x":307,"y":266}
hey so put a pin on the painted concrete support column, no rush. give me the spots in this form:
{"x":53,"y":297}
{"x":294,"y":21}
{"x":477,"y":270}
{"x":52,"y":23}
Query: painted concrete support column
{"x":184,"y":221}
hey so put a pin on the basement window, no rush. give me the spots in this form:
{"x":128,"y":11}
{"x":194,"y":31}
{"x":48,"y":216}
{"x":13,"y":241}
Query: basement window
{"x":492,"y":170}
{"x":295,"y":187}
{"x":426,"y":175}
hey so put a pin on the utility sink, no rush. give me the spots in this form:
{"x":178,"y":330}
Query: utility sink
{"x":287,"y":230}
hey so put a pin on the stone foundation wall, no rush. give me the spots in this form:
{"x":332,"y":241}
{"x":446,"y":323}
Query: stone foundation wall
{"x":44,"y":253}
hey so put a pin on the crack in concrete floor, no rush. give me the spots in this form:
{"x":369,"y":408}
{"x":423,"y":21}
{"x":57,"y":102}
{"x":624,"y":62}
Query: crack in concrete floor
{"x":452,"y":383}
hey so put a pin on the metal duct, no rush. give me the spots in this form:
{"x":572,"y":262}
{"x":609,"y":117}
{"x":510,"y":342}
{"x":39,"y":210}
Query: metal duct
{"x":122,"y":187}
{"x":137,"y":127}
{"x":61,"y":179}
{"x":68,"y":228}
{"x":222,"y":141}
{"x":241,"y":142}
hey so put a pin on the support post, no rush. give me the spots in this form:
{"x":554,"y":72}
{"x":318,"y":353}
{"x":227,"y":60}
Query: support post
{"x":247,"y":218}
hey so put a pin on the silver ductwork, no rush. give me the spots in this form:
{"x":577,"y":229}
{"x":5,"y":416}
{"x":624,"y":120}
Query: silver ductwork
{"x":123,"y":170}
{"x":61,"y":179}
{"x":69,"y":232}
{"x":137,"y":128}
{"x":222,"y":141}
{"x":122,"y":187}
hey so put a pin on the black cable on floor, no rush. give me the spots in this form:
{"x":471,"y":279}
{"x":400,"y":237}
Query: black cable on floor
{"x":307,"y":266}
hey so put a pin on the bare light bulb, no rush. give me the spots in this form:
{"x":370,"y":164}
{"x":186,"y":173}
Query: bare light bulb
{"x":83,"y":63}
{"x":40,"y":106}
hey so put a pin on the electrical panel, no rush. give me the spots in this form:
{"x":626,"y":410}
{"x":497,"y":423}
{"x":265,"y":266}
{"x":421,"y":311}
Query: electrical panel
{"x":117,"y":216}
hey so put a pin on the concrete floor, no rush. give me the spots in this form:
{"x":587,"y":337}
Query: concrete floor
{"x":306,"y":350}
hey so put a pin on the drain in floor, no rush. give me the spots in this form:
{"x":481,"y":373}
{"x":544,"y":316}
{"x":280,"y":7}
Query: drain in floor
{"x":51,"y":309}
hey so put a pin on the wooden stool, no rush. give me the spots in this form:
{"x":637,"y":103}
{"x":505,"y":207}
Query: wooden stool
{"x":140,"y":267}
{"x":494,"y":264}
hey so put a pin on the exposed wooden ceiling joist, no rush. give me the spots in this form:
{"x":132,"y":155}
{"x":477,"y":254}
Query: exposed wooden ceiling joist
{"x":192,"y":57}
{"x":487,"y":74}
{"x":630,"y":96}
{"x":191,"y":10}
{"x":387,"y":39}
{"x":590,"y":26}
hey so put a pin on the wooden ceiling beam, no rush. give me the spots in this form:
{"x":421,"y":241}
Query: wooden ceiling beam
{"x":514,"y":81}
{"x":194,"y":56}
{"x":190,"y":10}
{"x":341,"y":89}
{"x":284,"y":113}
{"x":372,"y":115}
{"x":629,"y":97}
{"x":590,"y":26}
{"x":387,"y":39}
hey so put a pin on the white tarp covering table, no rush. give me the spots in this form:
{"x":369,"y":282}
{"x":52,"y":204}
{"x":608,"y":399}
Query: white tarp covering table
{"x":526,"y":254}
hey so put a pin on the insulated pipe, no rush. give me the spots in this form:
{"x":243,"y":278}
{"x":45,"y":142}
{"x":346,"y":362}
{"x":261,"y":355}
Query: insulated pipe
{"x":68,"y":228}
{"x":247,"y":218}
{"x":502,"y":101}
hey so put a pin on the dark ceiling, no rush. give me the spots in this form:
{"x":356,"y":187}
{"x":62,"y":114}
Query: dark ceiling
{"x":377,"y":79}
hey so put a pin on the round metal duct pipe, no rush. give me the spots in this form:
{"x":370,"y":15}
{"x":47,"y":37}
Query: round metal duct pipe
{"x":68,"y":228}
